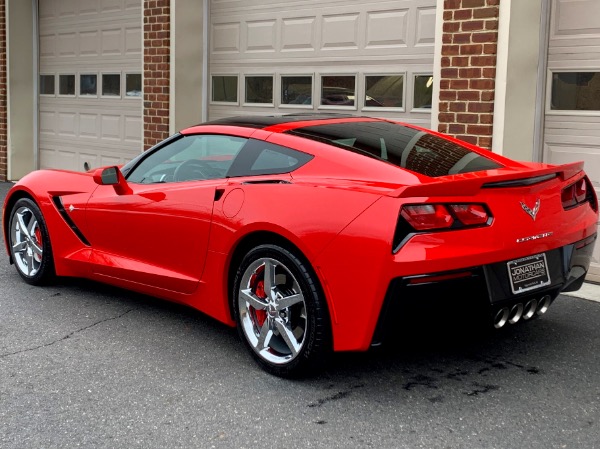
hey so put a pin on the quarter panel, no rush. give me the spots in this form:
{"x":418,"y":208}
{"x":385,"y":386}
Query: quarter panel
{"x":308,"y":216}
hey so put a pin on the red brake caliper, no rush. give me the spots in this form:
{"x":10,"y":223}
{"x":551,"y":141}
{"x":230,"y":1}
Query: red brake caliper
{"x":257,"y":284}
{"x":38,"y":237}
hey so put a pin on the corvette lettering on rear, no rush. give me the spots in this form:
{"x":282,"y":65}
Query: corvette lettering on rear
{"x":534,"y":237}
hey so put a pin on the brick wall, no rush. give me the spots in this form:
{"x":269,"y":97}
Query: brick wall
{"x":157,"y":41}
{"x":469,"y":45}
{"x":3,"y":92}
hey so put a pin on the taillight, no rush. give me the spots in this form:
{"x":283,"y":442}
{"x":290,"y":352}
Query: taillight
{"x":568,"y":197}
{"x":427,"y":216}
{"x":424,"y":217}
{"x":470,"y":214}
{"x":438,"y":217}
{"x":578,"y":193}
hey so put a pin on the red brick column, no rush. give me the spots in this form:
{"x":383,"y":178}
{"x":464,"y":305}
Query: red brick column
{"x":3,"y":97}
{"x":157,"y":43}
{"x":467,"y":82}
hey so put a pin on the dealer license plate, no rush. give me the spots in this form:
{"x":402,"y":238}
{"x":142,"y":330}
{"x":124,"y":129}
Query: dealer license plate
{"x":528,"y":273}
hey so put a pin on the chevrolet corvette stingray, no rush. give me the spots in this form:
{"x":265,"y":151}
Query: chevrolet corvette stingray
{"x":309,"y":232}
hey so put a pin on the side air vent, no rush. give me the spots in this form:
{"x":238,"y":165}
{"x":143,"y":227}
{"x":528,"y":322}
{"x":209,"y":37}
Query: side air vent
{"x":63,"y":213}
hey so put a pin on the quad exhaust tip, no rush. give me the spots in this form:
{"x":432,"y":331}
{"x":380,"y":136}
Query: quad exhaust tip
{"x":544,"y":304}
{"x":516,"y":312}
{"x":501,"y":317}
{"x":522,"y":311}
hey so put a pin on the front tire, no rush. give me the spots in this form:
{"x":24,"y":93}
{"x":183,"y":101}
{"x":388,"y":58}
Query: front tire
{"x":280,"y":312}
{"x":29,"y":243}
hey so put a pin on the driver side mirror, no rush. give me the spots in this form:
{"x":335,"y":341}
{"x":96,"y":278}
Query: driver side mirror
{"x":112,"y":176}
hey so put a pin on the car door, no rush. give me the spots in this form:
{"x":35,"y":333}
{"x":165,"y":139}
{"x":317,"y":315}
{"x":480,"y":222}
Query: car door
{"x":156,"y":234}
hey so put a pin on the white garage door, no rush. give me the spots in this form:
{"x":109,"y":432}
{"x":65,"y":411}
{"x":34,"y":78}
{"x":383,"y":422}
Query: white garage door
{"x":351,"y":56}
{"x":90,"y":78}
{"x":572,"y":125}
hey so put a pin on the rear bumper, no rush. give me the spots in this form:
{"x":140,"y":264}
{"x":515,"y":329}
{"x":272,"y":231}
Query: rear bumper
{"x":482,"y":292}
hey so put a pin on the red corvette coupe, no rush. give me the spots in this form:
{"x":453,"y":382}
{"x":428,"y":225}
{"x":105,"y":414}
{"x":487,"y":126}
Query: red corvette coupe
{"x":309,"y":232}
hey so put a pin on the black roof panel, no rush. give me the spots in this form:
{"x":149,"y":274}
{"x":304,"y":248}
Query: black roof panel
{"x":259,"y":122}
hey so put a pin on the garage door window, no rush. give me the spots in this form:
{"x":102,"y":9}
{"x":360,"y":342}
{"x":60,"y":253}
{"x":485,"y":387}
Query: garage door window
{"x":133,"y":84}
{"x":575,"y":91}
{"x":259,"y":90}
{"x":66,"y":84}
{"x":111,"y":85}
{"x":338,"y":90}
{"x":384,"y":91}
{"x":296,"y":91}
{"x":88,"y":84}
{"x":224,"y":89}
{"x":423,"y":92}
{"x":46,"y":84}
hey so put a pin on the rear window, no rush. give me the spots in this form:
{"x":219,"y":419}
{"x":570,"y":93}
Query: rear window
{"x":405,"y":147}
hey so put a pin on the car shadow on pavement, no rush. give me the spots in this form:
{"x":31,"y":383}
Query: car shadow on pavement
{"x":417,"y":346}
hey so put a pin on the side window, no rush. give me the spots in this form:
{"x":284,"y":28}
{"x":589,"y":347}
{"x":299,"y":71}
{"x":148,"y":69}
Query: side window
{"x":189,"y":158}
{"x":264,"y":158}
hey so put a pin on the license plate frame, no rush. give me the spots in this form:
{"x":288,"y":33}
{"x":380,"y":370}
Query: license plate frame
{"x":528,"y":273}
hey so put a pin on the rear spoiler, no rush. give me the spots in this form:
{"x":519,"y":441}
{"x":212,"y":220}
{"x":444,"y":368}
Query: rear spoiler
{"x":473,"y":183}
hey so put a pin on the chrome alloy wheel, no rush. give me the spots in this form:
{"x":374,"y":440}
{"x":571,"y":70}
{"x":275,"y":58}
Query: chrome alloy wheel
{"x":272,"y":311}
{"x":26,"y":241}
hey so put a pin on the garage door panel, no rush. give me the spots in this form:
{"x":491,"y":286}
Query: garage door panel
{"x":67,"y":44}
{"x":225,"y":38}
{"x":339,"y":32}
{"x":133,"y":41}
{"x":111,"y":5}
{"x":88,"y":7}
{"x":572,"y":18}
{"x":47,"y":46}
{"x":261,"y":36}
{"x":88,"y":125}
{"x":112,"y":42}
{"x":387,"y":28}
{"x":67,"y":124}
{"x":566,"y":152}
{"x":47,"y":123}
{"x":298,"y":34}
{"x":425,"y":27}
{"x":133,"y":126}
{"x":89,"y":43}
{"x":110,"y":126}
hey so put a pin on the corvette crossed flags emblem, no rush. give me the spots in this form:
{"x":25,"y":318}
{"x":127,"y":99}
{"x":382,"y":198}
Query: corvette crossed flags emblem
{"x":531,"y":212}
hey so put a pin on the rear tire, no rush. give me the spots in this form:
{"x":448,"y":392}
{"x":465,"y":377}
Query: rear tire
{"x":280,"y":312}
{"x":29,"y":243}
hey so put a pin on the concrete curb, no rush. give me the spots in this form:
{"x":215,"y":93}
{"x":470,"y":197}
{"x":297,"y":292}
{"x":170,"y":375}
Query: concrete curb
{"x":587,"y":291}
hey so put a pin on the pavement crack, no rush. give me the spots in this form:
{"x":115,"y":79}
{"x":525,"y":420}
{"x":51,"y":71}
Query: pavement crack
{"x":69,"y":335}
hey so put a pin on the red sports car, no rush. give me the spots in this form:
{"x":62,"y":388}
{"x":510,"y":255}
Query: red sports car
{"x":309,"y":232}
